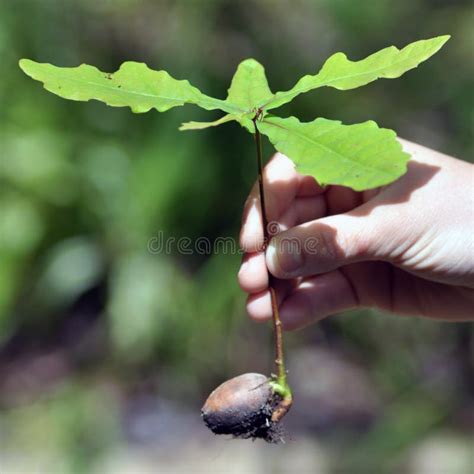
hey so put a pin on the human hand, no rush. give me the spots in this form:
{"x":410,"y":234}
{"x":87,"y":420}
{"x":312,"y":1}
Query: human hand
{"x":407,"y":248}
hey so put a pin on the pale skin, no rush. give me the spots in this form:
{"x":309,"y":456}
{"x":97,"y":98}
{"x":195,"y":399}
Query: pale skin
{"x":406,"y":248}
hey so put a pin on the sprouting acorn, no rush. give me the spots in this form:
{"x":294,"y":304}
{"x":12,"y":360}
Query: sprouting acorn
{"x":252,"y":405}
{"x":247,"y":406}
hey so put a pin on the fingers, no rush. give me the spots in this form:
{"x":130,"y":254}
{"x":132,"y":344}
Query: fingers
{"x":305,"y":302}
{"x":308,"y":187}
{"x":253,"y":273}
{"x":281,"y":183}
{"x":316,"y":298}
{"x":251,"y":231}
{"x":341,"y":199}
{"x":259,"y":305}
{"x":282,"y":186}
{"x":292,"y":199}
{"x":302,"y":209}
{"x":324,"y":244}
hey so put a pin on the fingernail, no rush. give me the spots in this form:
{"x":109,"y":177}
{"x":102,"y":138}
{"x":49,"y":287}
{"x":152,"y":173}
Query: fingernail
{"x":284,"y":257}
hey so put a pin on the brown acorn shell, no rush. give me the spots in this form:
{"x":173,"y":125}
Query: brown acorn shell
{"x":242,"y":406}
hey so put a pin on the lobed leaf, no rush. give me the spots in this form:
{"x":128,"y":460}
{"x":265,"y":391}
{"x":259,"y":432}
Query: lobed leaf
{"x":249,"y":87}
{"x":342,"y":73}
{"x":202,"y":125}
{"x":360,"y":156}
{"x":244,"y":120}
{"x":134,"y":85}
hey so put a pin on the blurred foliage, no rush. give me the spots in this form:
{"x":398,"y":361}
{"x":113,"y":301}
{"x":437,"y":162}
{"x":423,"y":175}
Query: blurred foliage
{"x":89,"y":318}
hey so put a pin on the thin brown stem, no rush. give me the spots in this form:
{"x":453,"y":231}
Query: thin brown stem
{"x":278,"y":337}
{"x":261,"y":187}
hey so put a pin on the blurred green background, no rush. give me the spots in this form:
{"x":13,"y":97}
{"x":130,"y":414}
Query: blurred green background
{"x":106,"y":350}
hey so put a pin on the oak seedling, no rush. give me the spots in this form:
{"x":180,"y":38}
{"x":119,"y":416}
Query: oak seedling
{"x":360,"y":156}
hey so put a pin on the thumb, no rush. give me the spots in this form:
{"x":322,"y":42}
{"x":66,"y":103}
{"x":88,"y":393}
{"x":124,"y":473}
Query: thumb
{"x":325,"y":244}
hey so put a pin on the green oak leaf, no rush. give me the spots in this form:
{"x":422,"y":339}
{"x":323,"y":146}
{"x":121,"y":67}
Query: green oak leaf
{"x":360,"y":156}
{"x":343,"y":74}
{"x":249,"y":87}
{"x":203,"y":125}
{"x":134,"y":85}
{"x":244,"y":119}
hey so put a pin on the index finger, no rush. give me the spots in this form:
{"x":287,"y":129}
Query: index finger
{"x":282,"y":185}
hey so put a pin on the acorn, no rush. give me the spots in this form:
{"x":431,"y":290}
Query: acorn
{"x":246,"y":406}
